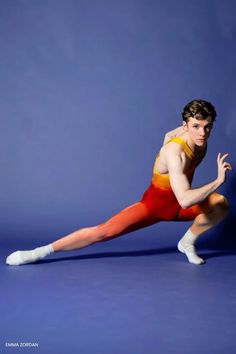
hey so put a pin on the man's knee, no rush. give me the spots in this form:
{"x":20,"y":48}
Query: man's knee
{"x":108,"y":230}
{"x":112,"y":229}
{"x":220,"y":205}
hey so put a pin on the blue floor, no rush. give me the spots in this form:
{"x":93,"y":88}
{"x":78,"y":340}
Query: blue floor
{"x":126,"y":296}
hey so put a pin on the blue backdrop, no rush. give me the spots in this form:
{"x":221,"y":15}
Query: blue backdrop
{"x":88,"y":89}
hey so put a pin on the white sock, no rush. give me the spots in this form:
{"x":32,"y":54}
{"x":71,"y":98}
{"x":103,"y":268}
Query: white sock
{"x":186,"y":246}
{"x":24,"y":257}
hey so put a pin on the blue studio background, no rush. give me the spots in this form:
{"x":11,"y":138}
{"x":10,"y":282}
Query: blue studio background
{"x":88,"y":90}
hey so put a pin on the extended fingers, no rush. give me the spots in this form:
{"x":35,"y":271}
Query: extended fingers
{"x":223,"y":157}
{"x":220,"y":158}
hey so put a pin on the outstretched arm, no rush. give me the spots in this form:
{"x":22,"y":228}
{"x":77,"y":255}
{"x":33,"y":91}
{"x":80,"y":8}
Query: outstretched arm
{"x":181,"y":186}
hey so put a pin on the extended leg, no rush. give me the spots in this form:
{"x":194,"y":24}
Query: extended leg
{"x":127,"y":220}
{"x":213,"y":212}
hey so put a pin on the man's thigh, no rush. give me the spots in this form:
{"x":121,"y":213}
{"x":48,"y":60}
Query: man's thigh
{"x":206,"y":207}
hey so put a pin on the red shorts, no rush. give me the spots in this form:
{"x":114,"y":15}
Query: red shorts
{"x":156,"y":205}
{"x":163,"y":205}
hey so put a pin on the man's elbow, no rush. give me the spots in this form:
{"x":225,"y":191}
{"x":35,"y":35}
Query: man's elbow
{"x":184,"y":203}
{"x":167,"y":138}
{"x":184,"y":206}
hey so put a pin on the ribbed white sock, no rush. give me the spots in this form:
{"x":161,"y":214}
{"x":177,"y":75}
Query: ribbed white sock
{"x":24,"y":257}
{"x":186,"y":246}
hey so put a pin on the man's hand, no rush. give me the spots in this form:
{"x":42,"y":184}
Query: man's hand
{"x":223,"y":166}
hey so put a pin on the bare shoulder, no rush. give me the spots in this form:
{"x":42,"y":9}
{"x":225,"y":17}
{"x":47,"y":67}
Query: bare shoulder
{"x":172,"y":149}
{"x":173,"y":133}
{"x":174,"y":154}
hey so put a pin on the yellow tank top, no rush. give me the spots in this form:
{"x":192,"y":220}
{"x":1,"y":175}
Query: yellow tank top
{"x":162,"y":180}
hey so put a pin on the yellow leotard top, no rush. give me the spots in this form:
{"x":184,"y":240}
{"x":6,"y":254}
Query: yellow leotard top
{"x":162,"y":180}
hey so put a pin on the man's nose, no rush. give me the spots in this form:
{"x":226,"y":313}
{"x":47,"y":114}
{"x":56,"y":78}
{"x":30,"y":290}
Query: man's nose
{"x":202,"y":132}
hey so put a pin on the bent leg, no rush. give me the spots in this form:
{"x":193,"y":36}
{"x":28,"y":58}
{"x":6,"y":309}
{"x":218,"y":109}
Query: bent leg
{"x":210,"y":213}
{"x":213,"y":211}
{"x":127,"y":220}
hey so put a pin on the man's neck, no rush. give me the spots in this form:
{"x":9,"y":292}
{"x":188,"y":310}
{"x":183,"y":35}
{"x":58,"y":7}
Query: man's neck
{"x":195,"y":148}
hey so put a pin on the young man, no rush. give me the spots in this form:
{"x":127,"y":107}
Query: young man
{"x":169,"y":196}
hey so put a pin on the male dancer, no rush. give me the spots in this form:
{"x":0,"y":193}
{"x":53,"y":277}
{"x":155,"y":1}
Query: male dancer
{"x":169,"y":196}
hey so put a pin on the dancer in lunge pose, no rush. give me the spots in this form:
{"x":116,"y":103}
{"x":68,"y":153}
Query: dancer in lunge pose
{"x":169,"y":196}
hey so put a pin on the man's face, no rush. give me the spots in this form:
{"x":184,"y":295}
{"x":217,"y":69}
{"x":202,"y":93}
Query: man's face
{"x":198,"y":130}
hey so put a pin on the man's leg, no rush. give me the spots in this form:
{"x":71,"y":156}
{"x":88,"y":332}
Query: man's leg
{"x":213,"y":211}
{"x":127,"y":220}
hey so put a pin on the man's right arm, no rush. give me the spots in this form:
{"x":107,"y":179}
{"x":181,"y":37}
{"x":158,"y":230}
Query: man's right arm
{"x":181,"y":186}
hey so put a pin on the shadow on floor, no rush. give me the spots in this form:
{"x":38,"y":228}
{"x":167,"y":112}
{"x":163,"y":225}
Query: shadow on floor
{"x":141,"y":253}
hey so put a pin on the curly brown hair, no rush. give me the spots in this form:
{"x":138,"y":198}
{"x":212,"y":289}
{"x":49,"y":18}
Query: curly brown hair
{"x":199,"y":109}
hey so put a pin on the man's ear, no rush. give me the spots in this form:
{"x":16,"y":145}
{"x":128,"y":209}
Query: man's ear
{"x":185,"y":126}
